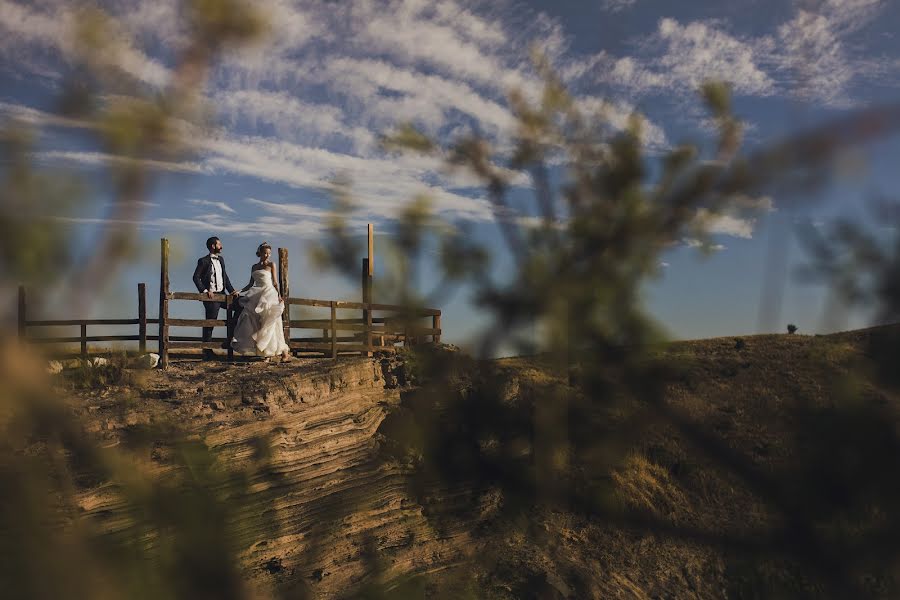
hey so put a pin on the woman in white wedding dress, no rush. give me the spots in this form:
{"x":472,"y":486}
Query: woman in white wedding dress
{"x":259,"y":329}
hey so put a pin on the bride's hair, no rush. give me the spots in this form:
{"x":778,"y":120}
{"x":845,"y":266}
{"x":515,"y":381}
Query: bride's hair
{"x":263,"y":246}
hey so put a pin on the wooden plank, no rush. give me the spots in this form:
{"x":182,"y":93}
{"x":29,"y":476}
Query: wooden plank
{"x":395,"y":329}
{"x":89,"y":338}
{"x":308,"y":302}
{"x":326,"y":347}
{"x":22,"y":315}
{"x":197,"y":322}
{"x":407,"y":310}
{"x":326,"y":339}
{"x":436,"y":325}
{"x":195,"y":338}
{"x":326,"y":324}
{"x":84,"y":339}
{"x":142,"y":317}
{"x":333,"y":331}
{"x":74,"y":322}
{"x":339,"y":304}
{"x":163,"y":303}
{"x":196,"y":345}
{"x":356,"y":320}
{"x":196,"y":296}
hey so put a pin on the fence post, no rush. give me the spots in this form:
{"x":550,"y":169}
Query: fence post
{"x":142,"y":318}
{"x":284,"y":287}
{"x":163,"y":303}
{"x":436,"y":324}
{"x":333,"y":331}
{"x":22,"y":312}
{"x":367,"y":299}
{"x":229,"y":325}
{"x":83,"y":339}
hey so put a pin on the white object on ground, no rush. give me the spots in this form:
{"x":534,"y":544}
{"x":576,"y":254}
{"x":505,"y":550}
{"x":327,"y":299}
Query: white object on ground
{"x":54,"y":367}
{"x":145,"y":361}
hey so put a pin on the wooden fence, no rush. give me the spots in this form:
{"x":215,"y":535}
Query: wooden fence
{"x":83,"y":338}
{"x":378,"y":327}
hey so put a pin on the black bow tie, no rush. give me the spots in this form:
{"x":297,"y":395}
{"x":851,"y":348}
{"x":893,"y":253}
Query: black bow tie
{"x":214,"y":257}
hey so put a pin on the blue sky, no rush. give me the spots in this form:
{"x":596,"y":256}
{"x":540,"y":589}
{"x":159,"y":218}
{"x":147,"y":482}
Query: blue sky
{"x":309,"y":102}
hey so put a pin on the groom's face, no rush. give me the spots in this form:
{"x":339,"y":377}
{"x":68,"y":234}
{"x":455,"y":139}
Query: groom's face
{"x":217,"y":247}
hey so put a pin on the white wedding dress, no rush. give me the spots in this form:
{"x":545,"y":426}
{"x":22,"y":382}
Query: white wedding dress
{"x":259,"y":329}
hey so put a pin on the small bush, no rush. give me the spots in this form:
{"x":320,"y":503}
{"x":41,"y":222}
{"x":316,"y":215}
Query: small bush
{"x":791,"y":328}
{"x":98,"y":374}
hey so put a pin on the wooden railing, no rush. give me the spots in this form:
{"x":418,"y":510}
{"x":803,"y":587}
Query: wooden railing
{"x":366,"y":334}
{"x":369,"y":333}
{"x":83,"y":338}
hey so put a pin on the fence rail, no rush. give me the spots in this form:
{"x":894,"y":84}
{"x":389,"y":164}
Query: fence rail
{"x":369,"y":333}
{"x":83,"y":338}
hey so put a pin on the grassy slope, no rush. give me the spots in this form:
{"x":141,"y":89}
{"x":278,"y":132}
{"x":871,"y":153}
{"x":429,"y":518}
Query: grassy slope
{"x":801,"y":414}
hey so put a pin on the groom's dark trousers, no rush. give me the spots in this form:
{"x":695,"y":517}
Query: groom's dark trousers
{"x":212,"y":312}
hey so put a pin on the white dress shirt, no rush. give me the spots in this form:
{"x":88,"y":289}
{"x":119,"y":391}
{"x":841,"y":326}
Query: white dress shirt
{"x":217,"y":284}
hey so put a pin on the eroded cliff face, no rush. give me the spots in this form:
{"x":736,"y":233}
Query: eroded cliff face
{"x":316,"y":511}
{"x":344,"y":479}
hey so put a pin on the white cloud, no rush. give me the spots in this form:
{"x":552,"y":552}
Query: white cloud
{"x":222,"y":206}
{"x":739,"y":220}
{"x":394,"y":94}
{"x":699,"y":51}
{"x":380,"y":185}
{"x":26,"y":114}
{"x":618,"y":115}
{"x":615,"y":6}
{"x":293,"y":118}
{"x":22,"y":26}
{"x":813,"y":51}
{"x":725,"y":224}
{"x":680,"y":58}
{"x":695,"y":243}
{"x":96,"y":159}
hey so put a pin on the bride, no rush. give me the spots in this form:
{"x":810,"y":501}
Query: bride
{"x":259,"y":329}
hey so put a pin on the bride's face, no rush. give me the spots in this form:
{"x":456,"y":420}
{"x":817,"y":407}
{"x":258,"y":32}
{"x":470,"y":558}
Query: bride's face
{"x":266,"y":253}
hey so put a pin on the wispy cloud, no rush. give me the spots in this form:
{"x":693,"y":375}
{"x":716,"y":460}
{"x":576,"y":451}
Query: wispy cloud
{"x":96,"y":159}
{"x":814,"y":53}
{"x":680,"y":58}
{"x":615,"y":6}
{"x":695,"y":243}
{"x":309,"y":104}
{"x":52,"y":30}
{"x":222,"y":206}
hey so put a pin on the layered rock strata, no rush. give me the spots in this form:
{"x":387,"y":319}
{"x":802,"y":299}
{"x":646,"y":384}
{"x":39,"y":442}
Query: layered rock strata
{"x":315,"y":507}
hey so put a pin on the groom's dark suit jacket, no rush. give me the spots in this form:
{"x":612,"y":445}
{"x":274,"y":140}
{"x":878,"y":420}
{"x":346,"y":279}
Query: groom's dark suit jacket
{"x":203,"y":274}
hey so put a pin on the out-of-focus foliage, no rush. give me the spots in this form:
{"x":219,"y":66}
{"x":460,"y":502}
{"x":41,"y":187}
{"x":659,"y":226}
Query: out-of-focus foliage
{"x":179,"y":540}
{"x":573,"y":298}
{"x":31,"y":243}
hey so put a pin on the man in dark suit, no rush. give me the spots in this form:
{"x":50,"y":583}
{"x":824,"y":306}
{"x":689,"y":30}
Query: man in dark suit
{"x":211,"y":278}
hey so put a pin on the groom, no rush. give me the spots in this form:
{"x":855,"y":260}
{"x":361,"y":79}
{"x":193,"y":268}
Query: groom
{"x":211,"y":278}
